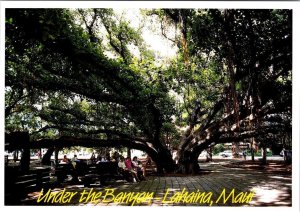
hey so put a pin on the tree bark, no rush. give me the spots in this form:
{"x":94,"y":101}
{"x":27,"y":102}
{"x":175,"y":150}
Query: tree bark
{"x":235,"y":149}
{"x":25,"y":159}
{"x":128,"y":152}
{"x":164,"y":162}
{"x":188,"y":164}
{"x":252,"y":154}
{"x":252,"y":149}
{"x":16,"y":155}
{"x":264,"y":155}
{"x":46,"y":160}
{"x":56,"y":151}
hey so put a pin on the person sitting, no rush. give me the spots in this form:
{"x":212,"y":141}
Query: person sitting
{"x":148,"y":161}
{"x":93,"y":158}
{"x":65,"y":159}
{"x":75,"y":160}
{"x":122,"y":170}
{"x":103,"y":159}
{"x":121,"y":163}
{"x":130,"y":168}
{"x":244,"y":154}
{"x":138,"y":168}
{"x":116,"y":157}
{"x":140,"y":164}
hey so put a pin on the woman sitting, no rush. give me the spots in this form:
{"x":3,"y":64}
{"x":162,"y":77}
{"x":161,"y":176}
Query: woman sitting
{"x":130,"y":168}
{"x":137,"y":166}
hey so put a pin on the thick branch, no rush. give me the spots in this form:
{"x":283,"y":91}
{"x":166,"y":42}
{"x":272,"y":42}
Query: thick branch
{"x":91,"y":132}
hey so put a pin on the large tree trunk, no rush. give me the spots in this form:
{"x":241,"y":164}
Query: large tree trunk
{"x":56,"y":151}
{"x":16,"y":155}
{"x":252,"y":154}
{"x":193,"y":164}
{"x":235,"y":149}
{"x":252,"y":149}
{"x":25,"y":159}
{"x":164,"y":162}
{"x":128,"y":152}
{"x":264,"y":155}
{"x":188,"y":163}
{"x":46,"y":160}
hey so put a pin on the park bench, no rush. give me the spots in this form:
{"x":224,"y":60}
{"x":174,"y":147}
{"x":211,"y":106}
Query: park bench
{"x":18,"y":184}
{"x":62,"y":171}
{"x":103,"y":172}
{"x":89,"y":174}
{"x":149,"y":166}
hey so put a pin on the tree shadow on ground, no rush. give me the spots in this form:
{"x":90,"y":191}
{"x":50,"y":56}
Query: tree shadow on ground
{"x":272,"y":185}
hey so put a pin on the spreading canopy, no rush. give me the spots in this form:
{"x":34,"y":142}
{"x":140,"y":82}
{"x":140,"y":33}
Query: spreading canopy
{"x":230,"y":80}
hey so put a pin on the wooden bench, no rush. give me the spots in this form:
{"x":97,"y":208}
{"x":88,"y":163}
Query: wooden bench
{"x":89,"y":174}
{"x":149,"y":166}
{"x":104,"y":171}
{"x":62,"y":171}
{"x":18,"y":184}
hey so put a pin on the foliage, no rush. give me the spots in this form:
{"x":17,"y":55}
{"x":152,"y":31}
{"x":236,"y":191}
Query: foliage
{"x":218,"y":148}
{"x":75,"y":73}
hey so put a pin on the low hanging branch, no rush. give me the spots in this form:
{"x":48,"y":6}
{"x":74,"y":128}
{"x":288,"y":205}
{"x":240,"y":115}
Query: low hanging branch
{"x":91,"y":132}
{"x":213,"y":132}
{"x":14,"y":141}
{"x":68,"y":141}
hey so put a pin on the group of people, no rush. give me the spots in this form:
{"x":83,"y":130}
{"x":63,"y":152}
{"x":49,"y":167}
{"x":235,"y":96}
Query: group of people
{"x":134,"y":167}
{"x":73,"y":161}
{"x":100,"y":159}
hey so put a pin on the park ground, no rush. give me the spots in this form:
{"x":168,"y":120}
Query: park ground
{"x":271,"y":186}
